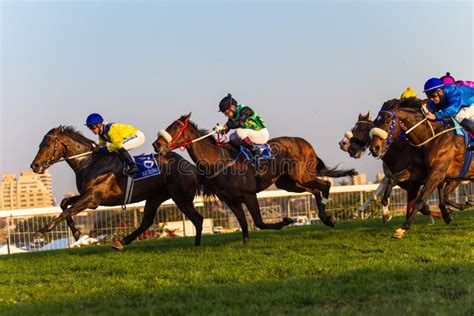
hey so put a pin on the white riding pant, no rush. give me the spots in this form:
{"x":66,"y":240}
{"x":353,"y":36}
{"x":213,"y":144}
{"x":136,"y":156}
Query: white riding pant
{"x":465,"y":113}
{"x":260,"y":137}
{"x":134,"y":141}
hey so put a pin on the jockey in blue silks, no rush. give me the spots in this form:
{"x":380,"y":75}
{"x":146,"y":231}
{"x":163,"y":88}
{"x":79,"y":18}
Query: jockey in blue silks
{"x":450,"y":101}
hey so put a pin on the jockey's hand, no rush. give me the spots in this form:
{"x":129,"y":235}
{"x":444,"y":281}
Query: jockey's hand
{"x":99,"y":149}
{"x":220,"y":128}
{"x":430,"y":116}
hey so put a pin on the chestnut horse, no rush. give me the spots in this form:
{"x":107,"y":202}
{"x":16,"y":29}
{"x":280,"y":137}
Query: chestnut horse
{"x":100,"y":181}
{"x":443,"y":152}
{"x":295,"y":168}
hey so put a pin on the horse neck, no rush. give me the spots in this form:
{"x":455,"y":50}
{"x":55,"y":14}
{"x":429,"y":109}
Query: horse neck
{"x":203,"y":153}
{"x":422,"y":132}
{"x":76,"y":148}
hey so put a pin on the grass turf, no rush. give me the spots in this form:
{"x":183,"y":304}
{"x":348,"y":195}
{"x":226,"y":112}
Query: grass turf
{"x":353,"y":269}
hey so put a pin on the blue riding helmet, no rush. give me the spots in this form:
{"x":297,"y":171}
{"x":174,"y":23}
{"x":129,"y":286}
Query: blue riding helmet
{"x":433,"y":84}
{"x":94,"y":118}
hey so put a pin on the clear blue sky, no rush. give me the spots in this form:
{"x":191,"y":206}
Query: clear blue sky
{"x":307,"y":67}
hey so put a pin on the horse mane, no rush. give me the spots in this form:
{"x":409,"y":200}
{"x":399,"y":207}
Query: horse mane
{"x":201,"y":131}
{"x":74,"y":134}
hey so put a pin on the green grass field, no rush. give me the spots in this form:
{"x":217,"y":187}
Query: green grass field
{"x":355,"y":268}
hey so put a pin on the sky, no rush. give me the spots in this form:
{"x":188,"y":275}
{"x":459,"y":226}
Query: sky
{"x":307,"y":67}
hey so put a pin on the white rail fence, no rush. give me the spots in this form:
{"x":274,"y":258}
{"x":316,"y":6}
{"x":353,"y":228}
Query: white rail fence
{"x":17,"y":227}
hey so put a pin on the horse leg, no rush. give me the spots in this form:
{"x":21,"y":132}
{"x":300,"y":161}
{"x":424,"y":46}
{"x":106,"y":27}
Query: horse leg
{"x":251,"y":201}
{"x":451,"y":185}
{"x":433,"y":180}
{"x":236,"y":208}
{"x":85,"y":201}
{"x":149,"y":213}
{"x":443,"y":196}
{"x":315,"y":186}
{"x":373,"y":195}
{"x":70,"y":222}
{"x":386,"y":214}
{"x":187,"y":207}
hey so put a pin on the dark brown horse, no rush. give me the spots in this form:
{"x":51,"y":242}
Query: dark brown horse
{"x":399,"y":162}
{"x":100,"y":181}
{"x":296,"y":168}
{"x":443,"y":153}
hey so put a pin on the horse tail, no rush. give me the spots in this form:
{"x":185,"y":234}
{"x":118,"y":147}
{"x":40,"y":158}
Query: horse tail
{"x":205,"y":189}
{"x":323,"y":171}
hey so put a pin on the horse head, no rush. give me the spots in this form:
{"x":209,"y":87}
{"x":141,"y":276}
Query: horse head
{"x":174,"y":136}
{"x":360,"y":139}
{"x":60,"y":142}
{"x":389,"y":127}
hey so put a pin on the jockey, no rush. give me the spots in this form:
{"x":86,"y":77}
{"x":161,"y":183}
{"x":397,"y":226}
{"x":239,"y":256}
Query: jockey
{"x":122,"y":137}
{"x":447,"y":101}
{"x":249,"y":127}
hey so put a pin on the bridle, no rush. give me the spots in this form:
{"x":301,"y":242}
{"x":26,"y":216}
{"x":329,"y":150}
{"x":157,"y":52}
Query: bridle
{"x":173,"y":140}
{"x":53,"y":159}
{"x":357,"y":140}
{"x":387,"y":136}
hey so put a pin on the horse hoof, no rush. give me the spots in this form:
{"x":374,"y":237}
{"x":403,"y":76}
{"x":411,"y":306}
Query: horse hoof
{"x":447,"y":219}
{"x":330,"y":221}
{"x":399,"y":233}
{"x":76,"y":235}
{"x":246,"y":240}
{"x":288,"y":221}
{"x":354,"y":215}
{"x":386,"y":218}
{"x":39,"y":234}
{"x":117,"y":244}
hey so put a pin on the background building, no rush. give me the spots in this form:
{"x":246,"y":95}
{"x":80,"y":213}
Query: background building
{"x":359,"y":179}
{"x":30,"y":190}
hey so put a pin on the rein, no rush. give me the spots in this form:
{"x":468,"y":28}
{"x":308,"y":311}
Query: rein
{"x":387,"y":135}
{"x":53,"y":160}
{"x":172,"y":144}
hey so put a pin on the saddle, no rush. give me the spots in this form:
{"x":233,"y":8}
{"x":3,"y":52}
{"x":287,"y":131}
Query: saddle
{"x":469,"y":145}
{"x":263,"y":153}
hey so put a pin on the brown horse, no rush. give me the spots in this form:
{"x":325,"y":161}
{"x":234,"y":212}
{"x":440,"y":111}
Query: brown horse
{"x":100,"y":181}
{"x":443,"y":153}
{"x":401,"y":159}
{"x":295,"y":168}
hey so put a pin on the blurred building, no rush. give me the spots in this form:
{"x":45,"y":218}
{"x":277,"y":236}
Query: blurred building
{"x":359,"y":179}
{"x":30,"y":190}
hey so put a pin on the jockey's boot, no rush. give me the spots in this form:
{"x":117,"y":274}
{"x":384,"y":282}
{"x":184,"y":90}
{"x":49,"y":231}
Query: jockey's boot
{"x":131,"y":167}
{"x":235,"y":142}
{"x":469,"y":127}
{"x":250,"y":146}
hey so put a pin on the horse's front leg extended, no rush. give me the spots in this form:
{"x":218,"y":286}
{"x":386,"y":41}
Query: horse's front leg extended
{"x":70,"y":222}
{"x":88,"y":200}
{"x":373,"y":196}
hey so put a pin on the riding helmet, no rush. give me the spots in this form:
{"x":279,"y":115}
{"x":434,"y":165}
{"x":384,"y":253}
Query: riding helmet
{"x":226,"y":103}
{"x":94,"y":118}
{"x":433,"y":84}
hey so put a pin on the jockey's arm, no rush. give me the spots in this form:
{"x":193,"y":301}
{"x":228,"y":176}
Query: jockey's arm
{"x":453,"y":108}
{"x":116,"y":140}
{"x":245,"y":113}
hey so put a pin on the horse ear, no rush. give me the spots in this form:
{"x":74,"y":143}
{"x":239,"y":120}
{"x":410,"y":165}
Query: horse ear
{"x":188,"y":115}
{"x":368,"y":115}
